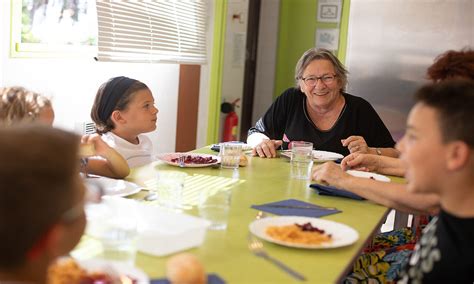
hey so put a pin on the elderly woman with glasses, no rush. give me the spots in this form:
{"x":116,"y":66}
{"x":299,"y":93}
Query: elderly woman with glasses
{"x":319,"y":111}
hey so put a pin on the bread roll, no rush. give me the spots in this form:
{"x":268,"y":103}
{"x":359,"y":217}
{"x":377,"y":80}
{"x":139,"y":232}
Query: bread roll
{"x":243,"y":161}
{"x":185,"y":268}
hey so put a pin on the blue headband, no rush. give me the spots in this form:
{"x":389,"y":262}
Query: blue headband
{"x":114,"y":89}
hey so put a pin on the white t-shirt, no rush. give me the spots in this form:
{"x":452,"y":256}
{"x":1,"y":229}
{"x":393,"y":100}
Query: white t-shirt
{"x":135,"y":154}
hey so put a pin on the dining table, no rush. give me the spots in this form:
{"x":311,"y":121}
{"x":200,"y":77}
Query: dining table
{"x":261,"y":181}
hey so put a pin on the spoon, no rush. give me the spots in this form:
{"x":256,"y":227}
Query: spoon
{"x":151,"y":196}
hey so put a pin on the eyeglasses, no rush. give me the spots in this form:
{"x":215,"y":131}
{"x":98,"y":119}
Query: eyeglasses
{"x":311,"y":81}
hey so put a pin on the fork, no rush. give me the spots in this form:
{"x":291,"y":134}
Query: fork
{"x":181,"y":161}
{"x":256,"y":247}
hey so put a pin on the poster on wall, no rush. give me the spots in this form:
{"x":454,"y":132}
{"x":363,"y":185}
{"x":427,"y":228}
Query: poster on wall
{"x":329,"y":11}
{"x":327,"y":38}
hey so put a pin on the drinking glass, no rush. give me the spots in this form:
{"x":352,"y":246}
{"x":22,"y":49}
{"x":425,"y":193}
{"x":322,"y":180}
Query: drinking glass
{"x":301,"y":159}
{"x":214,"y":206}
{"x":230,"y":155}
{"x":116,"y":230}
{"x":169,"y":188}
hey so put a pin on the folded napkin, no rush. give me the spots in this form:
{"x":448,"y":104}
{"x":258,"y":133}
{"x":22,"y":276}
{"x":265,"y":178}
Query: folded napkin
{"x":334,"y":191}
{"x":211,"y":279}
{"x":293,"y":207}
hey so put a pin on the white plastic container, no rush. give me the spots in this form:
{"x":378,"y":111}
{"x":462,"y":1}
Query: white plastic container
{"x":160,"y":232}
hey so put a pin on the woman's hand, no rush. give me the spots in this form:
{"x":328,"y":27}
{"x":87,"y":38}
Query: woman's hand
{"x":356,"y":144}
{"x":361,"y":162}
{"x":267,"y":148}
{"x":329,"y":173}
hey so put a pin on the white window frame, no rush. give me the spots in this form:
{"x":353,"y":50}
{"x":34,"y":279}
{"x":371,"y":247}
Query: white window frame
{"x":41,"y":50}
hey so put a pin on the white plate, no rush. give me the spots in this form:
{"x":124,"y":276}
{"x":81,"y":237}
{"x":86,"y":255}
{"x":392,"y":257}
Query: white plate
{"x":245,"y":146}
{"x":101,"y":265}
{"x":169,"y":156}
{"x":342,"y":235}
{"x":116,"y":187}
{"x":368,"y":175}
{"x":318,"y":155}
{"x":326,"y":156}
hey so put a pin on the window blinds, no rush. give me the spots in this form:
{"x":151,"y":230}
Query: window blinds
{"x":171,"y":31}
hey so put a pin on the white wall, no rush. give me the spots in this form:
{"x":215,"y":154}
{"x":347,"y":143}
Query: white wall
{"x":266,"y":57}
{"x":202,"y":126}
{"x":72,"y":84}
{"x":234,"y":55}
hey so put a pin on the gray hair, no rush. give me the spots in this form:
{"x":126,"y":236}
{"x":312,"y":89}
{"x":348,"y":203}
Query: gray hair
{"x":321,"y":54}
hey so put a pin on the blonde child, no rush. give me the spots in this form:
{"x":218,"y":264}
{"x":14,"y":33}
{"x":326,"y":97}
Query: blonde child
{"x":123,"y":110}
{"x":19,"y":105}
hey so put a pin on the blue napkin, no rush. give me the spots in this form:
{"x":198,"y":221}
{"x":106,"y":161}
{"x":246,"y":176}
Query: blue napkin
{"x":284,"y":208}
{"x":211,"y":279}
{"x":334,"y":191}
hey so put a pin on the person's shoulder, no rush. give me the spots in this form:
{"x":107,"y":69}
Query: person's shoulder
{"x":355,"y":99}
{"x":108,"y":137}
{"x":357,"y":102}
{"x":291,"y":93}
{"x":144,"y":139}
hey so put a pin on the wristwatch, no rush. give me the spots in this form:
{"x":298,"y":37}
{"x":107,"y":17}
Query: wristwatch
{"x":377,"y":150}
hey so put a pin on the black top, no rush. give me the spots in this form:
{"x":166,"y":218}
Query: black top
{"x":445,"y":252}
{"x":287,"y":120}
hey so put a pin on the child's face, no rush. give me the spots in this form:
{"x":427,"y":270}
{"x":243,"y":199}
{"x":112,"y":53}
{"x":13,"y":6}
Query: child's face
{"x":140,"y":113}
{"x":46,"y":115}
{"x":423,"y":151}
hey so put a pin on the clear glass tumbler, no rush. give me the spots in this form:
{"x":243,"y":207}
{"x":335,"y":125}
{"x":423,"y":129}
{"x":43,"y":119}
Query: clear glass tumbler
{"x":214,"y":206}
{"x":301,"y":159}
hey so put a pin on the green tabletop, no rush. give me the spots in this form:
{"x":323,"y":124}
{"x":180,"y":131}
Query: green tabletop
{"x":262,"y":181}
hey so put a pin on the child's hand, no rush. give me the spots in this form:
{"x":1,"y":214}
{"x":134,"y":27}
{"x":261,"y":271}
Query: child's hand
{"x":101,"y":148}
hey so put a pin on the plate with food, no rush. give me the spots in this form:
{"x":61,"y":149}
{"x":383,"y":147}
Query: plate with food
{"x":368,"y":175}
{"x":190,"y":160}
{"x":303,"y":232}
{"x":69,"y":270}
{"x":113,"y":187}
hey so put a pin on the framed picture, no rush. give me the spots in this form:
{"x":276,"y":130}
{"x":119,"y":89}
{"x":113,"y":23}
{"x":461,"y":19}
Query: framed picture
{"x":327,"y":38}
{"x":329,"y":11}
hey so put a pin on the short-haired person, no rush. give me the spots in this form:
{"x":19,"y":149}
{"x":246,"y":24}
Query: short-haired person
{"x":41,"y":200}
{"x":438,"y":150}
{"x":318,"y":110}
{"x":19,"y":106}
{"x":124,"y":109}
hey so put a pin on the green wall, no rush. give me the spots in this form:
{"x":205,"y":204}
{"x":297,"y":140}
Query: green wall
{"x":297,"y":31}
{"x":215,"y":83}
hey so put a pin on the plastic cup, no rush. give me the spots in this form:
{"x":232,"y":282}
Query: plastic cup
{"x":118,"y":239}
{"x":169,"y":189}
{"x":117,"y":232}
{"x":214,"y":206}
{"x":301,"y":159}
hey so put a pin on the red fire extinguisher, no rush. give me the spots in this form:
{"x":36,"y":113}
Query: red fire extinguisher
{"x":231,"y":121}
